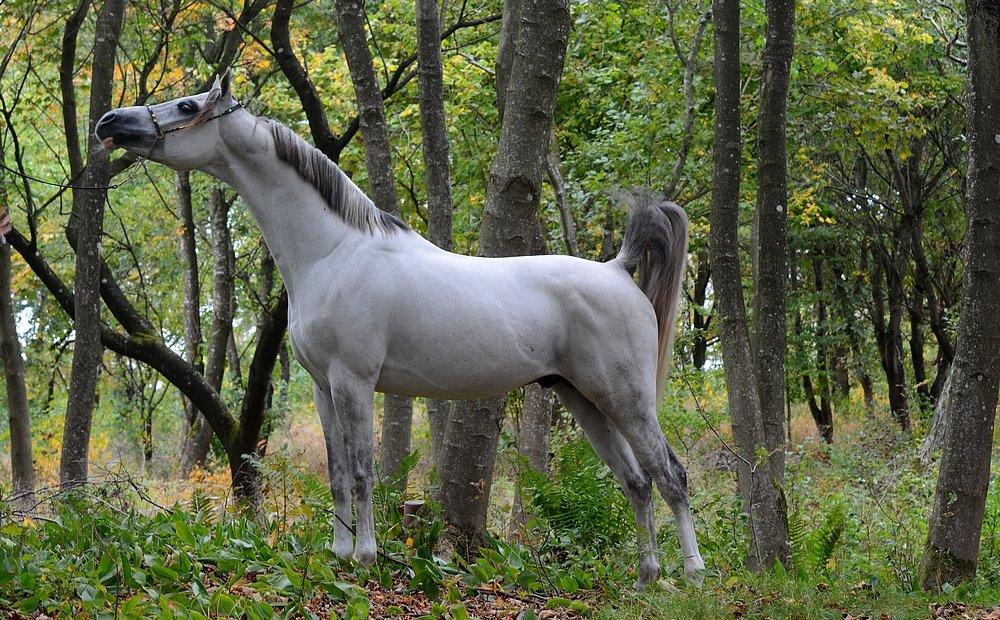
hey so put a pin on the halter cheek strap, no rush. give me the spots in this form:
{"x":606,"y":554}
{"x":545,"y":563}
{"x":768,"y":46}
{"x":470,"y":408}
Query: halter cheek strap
{"x":156,"y":123}
{"x":162,"y":133}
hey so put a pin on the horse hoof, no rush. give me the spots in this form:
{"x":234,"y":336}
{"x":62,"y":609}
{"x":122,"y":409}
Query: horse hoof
{"x":365,"y":557}
{"x":693,"y":571}
{"x":649,"y":571}
{"x":343,"y":549}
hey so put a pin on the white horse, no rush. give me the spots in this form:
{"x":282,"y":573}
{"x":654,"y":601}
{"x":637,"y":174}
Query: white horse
{"x":373,"y":306}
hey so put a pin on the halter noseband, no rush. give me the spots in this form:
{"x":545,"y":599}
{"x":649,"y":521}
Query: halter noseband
{"x":162,"y":133}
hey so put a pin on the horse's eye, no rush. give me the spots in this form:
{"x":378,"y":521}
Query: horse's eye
{"x":187,"y":107}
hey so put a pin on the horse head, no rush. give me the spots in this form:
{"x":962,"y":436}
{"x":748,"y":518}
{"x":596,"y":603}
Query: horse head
{"x":179,"y":133}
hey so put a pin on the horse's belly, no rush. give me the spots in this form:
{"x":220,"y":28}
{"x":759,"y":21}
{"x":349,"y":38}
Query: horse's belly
{"x":456,"y":368}
{"x":463,"y":385}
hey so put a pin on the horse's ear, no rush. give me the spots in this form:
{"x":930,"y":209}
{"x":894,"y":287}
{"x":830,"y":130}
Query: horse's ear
{"x":225,"y":81}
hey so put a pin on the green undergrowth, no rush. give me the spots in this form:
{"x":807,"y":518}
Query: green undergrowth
{"x":857,"y":522}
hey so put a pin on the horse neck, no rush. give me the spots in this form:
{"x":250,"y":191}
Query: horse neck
{"x":297,"y":225}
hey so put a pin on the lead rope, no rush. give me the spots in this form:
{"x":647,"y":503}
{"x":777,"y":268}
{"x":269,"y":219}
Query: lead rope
{"x":133,"y":168}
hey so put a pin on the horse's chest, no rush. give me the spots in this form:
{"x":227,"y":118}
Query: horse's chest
{"x":321,"y":339}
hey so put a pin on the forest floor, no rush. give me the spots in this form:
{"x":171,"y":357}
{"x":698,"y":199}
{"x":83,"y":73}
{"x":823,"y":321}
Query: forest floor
{"x":857,"y":523}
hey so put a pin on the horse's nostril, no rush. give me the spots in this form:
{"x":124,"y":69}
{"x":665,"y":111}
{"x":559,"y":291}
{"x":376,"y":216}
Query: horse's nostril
{"x":107,"y":119}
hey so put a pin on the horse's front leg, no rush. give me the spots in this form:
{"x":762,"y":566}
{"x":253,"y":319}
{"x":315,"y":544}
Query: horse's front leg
{"x":352,"y":399}
{"x":340,"y":485}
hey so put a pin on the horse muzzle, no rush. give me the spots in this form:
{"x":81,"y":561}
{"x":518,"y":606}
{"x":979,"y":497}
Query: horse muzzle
{"x":117,"y":129}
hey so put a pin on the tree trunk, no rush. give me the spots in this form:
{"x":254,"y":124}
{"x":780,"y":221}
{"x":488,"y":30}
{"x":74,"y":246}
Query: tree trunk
{"x":22,"y":469}
{"x":916,"y":315}
{"x":437,"y":167}
{"x":760,"y":488}
{"x":770,"y":305}
{"x":946,"y":351}
{"x":397,"y":415}
{"x":199,"y":438}
{"x":532,"y":442}
{"x":895,"y":371}
{"x":535,"y":47}
{"x":88,"y":217}
{"x":701,"y":316}
{"x":553,"y":171}
{"x":147,"y":434}
{"x":187,"y":247}
{"x":824,"y":422}
{"x":952,"y":550}
{"x":433,"y":128}
{"x":935,"y":436}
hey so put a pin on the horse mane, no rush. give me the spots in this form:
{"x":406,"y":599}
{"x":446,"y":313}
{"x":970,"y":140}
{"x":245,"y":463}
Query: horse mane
{"x":339,"y":192}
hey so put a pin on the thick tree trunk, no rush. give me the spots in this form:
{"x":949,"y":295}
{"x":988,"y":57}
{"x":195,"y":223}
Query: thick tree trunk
{"x":952,"y":550}
{"x":760,"y":488}
{"x":535,"y":45}
{"x":87,"y":218}
{"x":199,"y":438}
{"x":433,"y":128}
{"x":397,"y":415}
{"x":437,"y":167}
{"x":22,"y":468}
{"x":770,"y":306}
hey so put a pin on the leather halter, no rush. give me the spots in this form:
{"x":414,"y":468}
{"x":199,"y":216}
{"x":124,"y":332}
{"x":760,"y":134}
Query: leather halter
{"x":162,"y":133}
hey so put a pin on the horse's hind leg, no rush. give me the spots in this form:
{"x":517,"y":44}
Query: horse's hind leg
{"x":615,"y":451}
{"x":340,"y":486}
{"x":642,"y":431}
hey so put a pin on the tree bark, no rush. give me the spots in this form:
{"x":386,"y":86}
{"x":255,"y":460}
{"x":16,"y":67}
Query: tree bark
{"x":952,"y":550}
{"x":88,"y":217}
{"x":199,"y":438}
{"x":553,"y":170}
{"x":433,"y":128}
{"x":701,"y":316}
{"x":22,"y":468}
{"x":770,"y":305}
{"x":760,"y":488}
{"x":187,"y":247}
{"x":822,"y":412}
{"x":397,"y":414}
{"x":532,"y":442}
{"x":888,"y":334}
{"x":935,"y":436}
{"x":509,"y":227}
{"x":67,"y":69}
{"x":437,"y":167}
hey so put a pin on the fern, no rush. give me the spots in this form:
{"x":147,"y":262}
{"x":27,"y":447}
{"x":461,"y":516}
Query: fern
{"x":202,"y":507}
{"x":798,"y":538}
{"x":581,"y":499}
{"x":812,"y":549}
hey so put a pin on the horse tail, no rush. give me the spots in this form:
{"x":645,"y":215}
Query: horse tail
{"x":655,"y":243}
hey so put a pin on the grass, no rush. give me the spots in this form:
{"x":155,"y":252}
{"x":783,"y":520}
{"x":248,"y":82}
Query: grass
{"x":857,"y":514}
